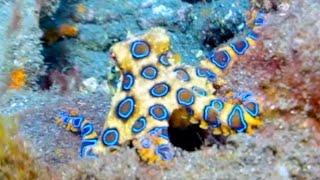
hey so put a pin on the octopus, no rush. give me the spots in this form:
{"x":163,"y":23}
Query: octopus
{"x":157,"y":91}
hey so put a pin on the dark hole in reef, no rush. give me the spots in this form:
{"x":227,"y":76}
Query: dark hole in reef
{"x":214,"y":37}
{"x":183,"y":134}
{"x":54,"y":50}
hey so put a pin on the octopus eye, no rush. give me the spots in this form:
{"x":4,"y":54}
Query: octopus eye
{"x":240,"y":47}
{"x":236,"y":119}
{"x":140,"y":49}
{"x":125,"y":108}
{"x":220,"y":58}
{"x":110,"y":137}
{"x":185,"y":97}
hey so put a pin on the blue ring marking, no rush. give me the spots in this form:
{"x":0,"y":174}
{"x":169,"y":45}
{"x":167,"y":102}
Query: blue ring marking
{"x":220,"y":58}
{"x":240,"y":47}
{"x":237,"y":111}
{"x":164,"y":114}
{"x":146,"y":143}
{"x":253,"y":35}
{"x":160,"y":131}
{"x":128,"y":81}
{"x":149,"y":75}
{"x":212,"y":77}
{"x":77,"y":121}
{"x":206,"y":73}
{"x":165,"y":88}
{"x":65,"y":117}
{"x":201,"y":72}
{"x":165,"y":152}
{"x":125,"y":115}
{"x":216,"y":105}
{"x":244,"y":96}
{"x":259,"y":21}
{"x":134,"y":51}
{"x":139,"y":125}
{"x":163,"y":59}
{"x":86,"y":129}
{"x":252,"y":111}
{"x":182,"y":74}
{"x":86,"y":148}
{"x":110,"y":132}
{"x":183,"y":102}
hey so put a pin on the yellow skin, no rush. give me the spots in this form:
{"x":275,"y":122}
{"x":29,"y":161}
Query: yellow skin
{"x":131,"y":117}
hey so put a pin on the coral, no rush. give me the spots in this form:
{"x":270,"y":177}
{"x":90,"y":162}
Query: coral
{"x":65,"y":30}
{"x":15,"y":161}
{"x":68,"y":30}
{"x":18,"y":78}
{"x":157,"y":88}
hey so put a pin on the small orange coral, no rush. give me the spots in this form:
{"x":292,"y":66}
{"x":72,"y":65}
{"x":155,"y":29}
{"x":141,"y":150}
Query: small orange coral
{"x":81,"y":8}
{"x":18,"y":78}
{"x":68,"y":30}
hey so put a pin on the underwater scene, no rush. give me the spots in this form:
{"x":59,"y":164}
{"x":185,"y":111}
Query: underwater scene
{"x":159,"y":89}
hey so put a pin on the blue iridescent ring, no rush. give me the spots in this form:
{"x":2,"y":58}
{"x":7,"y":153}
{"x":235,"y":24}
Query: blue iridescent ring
{"x":163,"y":59}
{"x":149,"y":72}
{"x":159,"y":112}
{"x":182,"y":74}
{"x":128,"y":81}
{"x":110,"y":137}
{"x":240,"y":46}
{"x":140,"y":49}
{"x":139,"y":125}
{"x":125,"y":108}
{"x":87,"y":129}
{"x":199,"y":91}
{"x":77,"y":121}
{"x":220,"y":58}
{"x":160,"y":90}
{"x":185,"y":97}
{"x":237,"y":114}
{"x":252,"y":108}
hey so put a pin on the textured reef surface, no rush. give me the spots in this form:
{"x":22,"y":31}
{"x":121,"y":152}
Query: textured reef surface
{"x":95,"y":89}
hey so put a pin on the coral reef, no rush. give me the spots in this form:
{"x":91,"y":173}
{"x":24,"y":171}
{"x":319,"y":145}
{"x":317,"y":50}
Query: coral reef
{"x":20,"y":39}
